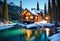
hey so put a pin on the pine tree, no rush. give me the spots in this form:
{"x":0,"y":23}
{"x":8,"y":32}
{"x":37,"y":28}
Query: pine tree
{"x":37,"y":5}
{"x":49,"y":10}
{"x":45,"y":9}
{"x":58,"y":9}
{"x":5,"y":11}
{"x":20,"y":6}
{"x":0,"y":12}
{"x":53,"y":10}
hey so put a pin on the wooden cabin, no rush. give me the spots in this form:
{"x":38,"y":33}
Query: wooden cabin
{"x":31,"y":16}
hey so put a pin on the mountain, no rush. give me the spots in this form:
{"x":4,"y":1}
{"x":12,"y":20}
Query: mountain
{"x":13,"y":11}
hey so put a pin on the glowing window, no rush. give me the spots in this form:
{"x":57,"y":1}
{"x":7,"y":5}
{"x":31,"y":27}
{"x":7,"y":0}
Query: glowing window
{"x":31,"y":17}
{"x":36,"y":17}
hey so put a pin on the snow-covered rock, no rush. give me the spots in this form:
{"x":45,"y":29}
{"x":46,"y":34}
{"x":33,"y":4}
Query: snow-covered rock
{"x":49,"y":24}
{"x":21,"y":25}
{"x":41,"y":25}
{"x":44,"y":23}
{"x":36,"y":24}
{"x":31,"y":25}
{"x":55,"y":37}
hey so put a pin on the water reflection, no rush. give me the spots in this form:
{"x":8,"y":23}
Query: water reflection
{"x":30,"y":35}
{"x":36,"y":35}
{"x":47,"y":31}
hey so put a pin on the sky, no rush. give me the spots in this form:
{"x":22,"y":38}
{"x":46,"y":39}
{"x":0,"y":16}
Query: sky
{"x":29,"y":3}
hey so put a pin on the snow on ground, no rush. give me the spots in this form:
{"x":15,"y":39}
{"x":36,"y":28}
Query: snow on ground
{"x":36,"y":24}
{"x":21,"y":25}
{"x":49,"y":24}
{"x":34,"y":13}
{"x":44,"y":23}
{"x":58,"y":30}
{"x":59,"y":23}
{"x":1,"y":23}
{"x":31,"y":25}
{"x":55,"y":37}
{"x":41,"y":25}
{"x":5,"y":26}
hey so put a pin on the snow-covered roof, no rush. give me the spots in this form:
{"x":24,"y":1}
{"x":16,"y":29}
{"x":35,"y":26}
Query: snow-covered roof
{"x":38,"y":11}
{"x":34,"y":12}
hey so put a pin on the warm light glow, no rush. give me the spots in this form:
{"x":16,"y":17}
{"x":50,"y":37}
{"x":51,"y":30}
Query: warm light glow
{"x":27,"y":18}
{"x":31,"y":17}
{"x":47,"y":31}
{"x":47,"y":18}
{"x":29,"y":32}
{"x":40,"y":31}
{"x":24,"y":12}
{"x":40,"y":18}
{"x":35,"y":17}
{"x":36,"y":32}
{"x":44,"y":22}
{"x":27,"y":13}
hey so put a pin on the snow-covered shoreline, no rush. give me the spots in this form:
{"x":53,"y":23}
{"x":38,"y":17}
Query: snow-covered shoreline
{"x":5,"y":26}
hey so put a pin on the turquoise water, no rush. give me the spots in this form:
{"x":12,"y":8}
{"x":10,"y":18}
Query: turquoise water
{"x":17,"y":34}
{"x":20,"y":35}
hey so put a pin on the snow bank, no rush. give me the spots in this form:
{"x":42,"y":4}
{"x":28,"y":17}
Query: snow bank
{"x":5,"y":26}
{"x":31,"y":25}
{"x":21,"y":25}
{"x":55,"y":37}
{"x":49,"y":24}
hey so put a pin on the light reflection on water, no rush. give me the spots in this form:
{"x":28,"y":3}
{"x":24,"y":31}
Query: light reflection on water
{"x":39,"y":35}
{"x":32,"y":35}
{"x":28,"y":34}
